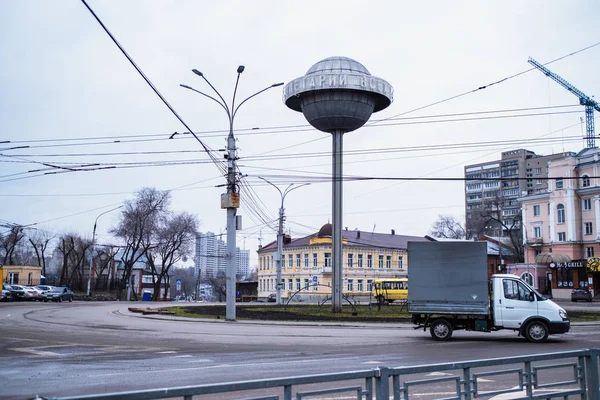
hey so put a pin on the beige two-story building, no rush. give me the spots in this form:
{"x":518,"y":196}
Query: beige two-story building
{"x":306,"y":262}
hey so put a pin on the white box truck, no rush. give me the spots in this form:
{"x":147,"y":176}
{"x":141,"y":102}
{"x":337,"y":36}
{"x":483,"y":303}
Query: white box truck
{"x":449,"y":290}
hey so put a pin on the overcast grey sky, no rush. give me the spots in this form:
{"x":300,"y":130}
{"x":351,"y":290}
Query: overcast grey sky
{"x":69,"y":94}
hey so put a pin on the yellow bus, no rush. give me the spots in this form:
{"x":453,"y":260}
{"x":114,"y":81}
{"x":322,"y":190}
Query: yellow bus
{"x":390,"y":289}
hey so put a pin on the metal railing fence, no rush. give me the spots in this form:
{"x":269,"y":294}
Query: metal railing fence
{"x":578,"y":371}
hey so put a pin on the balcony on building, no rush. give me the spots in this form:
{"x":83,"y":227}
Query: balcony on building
{"x":535,"y":242}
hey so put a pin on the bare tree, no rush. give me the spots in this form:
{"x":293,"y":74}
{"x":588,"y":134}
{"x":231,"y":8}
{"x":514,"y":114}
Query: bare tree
{"x":138,"y":227}
{"x":9,"y":243}
{"x":447,"y":227}
{"x":175,"y":235}
{"x":73,"y":249}
{"x":40,"y":241}
{"x":219,"y":284}
{"x":103,"y":266}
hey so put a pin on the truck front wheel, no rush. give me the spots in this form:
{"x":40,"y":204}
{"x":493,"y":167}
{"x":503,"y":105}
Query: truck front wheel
{"x":441,"y":330}
{"x":536,"y":332}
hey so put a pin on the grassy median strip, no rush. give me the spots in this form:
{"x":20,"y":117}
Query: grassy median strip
{"x":315,"y":313}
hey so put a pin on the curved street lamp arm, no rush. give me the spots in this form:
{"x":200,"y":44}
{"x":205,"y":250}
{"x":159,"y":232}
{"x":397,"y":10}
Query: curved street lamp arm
{"x":292,"y":189}
{"x":96,"y":221}
{"x":224,"y":106}
{"x":217,"y":92}
{"x":272,"y":184}
{"x":255,"y":94}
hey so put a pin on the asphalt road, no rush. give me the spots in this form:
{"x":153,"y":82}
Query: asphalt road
{"x":60,"y":349}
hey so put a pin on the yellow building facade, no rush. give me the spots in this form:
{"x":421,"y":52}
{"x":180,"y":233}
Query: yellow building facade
{"x":306,"y":262}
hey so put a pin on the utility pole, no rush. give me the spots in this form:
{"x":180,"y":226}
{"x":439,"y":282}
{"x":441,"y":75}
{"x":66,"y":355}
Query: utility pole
{"x":231,"y":199}
{"x":279,"y":256}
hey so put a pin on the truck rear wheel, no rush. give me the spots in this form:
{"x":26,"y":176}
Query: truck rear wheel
{"x":536,"y":332}
{"x":441,"y":330}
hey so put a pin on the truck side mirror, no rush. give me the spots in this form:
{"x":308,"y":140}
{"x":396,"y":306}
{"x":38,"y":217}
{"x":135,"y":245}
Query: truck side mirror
{"x":531,"y":296}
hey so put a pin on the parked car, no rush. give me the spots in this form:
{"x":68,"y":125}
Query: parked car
{"x":6,"y":293}
{"x":581,"y":294}
{"x":20,"y":292}
{"x":44,"y":289}
{"x":272,"y":298}
{"x":59,"y":294}
{"x":38,"y":295}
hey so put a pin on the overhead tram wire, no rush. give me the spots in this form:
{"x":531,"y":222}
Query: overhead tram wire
{"x":282,"y":129}
{"x":219,"y":164}
{"x":481,"y":87}
{"x":166,"y":163}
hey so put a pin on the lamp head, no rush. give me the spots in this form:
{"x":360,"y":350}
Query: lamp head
{"x":197,"y":72}
{"x":240,"y":69}
{"x":277,"y":84}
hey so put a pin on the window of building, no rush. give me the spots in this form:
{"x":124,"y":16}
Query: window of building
{"x":290,"y":284}
{"x":315,"y":260}
{"x":328,"y":259}
{"x":588,"y":228}
{"x":562,"y":236}
{"x":589,"y":252}
{"x":585,"y":181}
{"x":297,"y":260}
{"x":306,"y":283}
{"x":290,"y":260}
{"x":305,"y":260}
{"x":536,"y":210}
{"x":537,"y":252}
{"x":538,"y":182}
{"x":297,"y":283}
{"x":359,"y":284}
{"x":527,"y":278}
{"x":587,"y":204}
{"x":537,"y":232}
{"x":388,"y":262}
{"x":147,"y":279}
{"x":380,"y":261}
{"x":559,"y":183}
{"x":30,"y":278}
{"x":350,"y":260}
{"x":360,"y":261}
{"x":350,"y":285}
{"x":370,"y":261}
{"x":538,"y":171}
{"x":400,"y":262}
{"x":369,"y":284}
{"x":560,"y":214}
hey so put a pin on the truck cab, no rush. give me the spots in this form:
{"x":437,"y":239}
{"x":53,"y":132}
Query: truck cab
{"x":518,"y":306}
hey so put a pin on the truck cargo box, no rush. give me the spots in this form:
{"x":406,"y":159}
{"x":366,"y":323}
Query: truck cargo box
{"x":448,"y":278}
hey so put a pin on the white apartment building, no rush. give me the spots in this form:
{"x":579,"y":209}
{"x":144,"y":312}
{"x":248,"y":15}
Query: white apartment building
{"x":210,"y":258}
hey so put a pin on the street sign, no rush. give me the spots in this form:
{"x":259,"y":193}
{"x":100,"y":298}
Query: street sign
{"x":178,"y":284}
{"x":315,"y":278}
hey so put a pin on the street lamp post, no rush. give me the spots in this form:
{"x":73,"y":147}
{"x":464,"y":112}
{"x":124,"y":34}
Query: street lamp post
{"x":279,"y":259}
{"x":231,"y":199}
{"x":89,"y":282}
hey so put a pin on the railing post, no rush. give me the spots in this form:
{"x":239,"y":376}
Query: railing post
{"x":287,"y":392}
{"x":591,"y":375}
{"x":382,"y":384}
{"x":528,"y":379}
{"x":467,"y":383}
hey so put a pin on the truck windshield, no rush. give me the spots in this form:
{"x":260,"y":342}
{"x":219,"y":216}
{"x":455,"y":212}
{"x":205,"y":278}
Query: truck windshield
{"x":539,"y":296}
